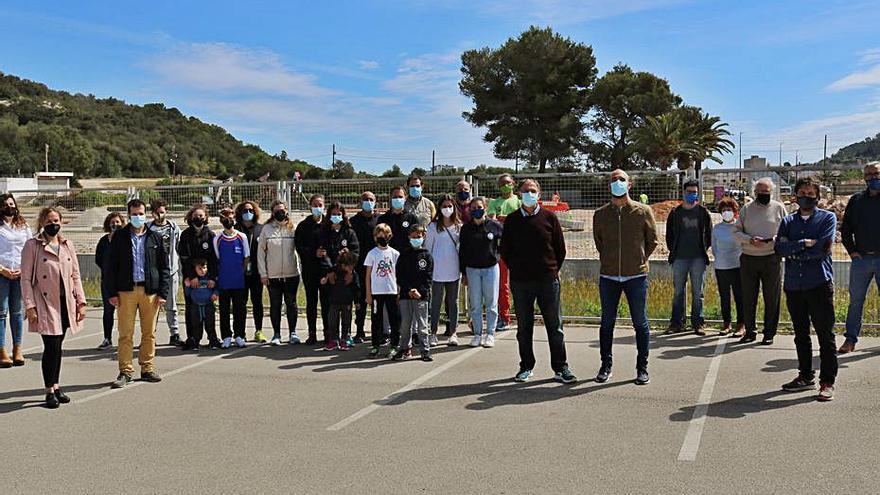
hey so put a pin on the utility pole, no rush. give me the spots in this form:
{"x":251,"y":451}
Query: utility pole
{"x":47,"y":157}
{"x":825,"y":152}
{"x":333,"y":159}
{"x":797,"y":160}
{"x":433,"y":162}
{"x":780,"y":154}
{"x":740,"y":166}
{"x":516,"y":163}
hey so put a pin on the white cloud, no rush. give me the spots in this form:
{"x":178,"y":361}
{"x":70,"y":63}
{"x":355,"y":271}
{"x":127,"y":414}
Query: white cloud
{"x":862,"y":78}
{"x":566,"y":12}
{"x":232,"y":68}
{"x":368,"y":64}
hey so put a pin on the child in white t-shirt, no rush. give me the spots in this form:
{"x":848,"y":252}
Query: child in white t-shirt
{"x":381,"y":287}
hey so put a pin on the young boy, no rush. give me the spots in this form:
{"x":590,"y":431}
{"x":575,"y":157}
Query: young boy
{"x":381,"y":282}
{"x":415,"y":272}
{"x":233,"y":253}
{"x":201,"y":312}
{"x":343,"y":288}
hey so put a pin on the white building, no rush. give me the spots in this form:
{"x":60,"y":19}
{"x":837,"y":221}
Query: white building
{"x":39,"y":182}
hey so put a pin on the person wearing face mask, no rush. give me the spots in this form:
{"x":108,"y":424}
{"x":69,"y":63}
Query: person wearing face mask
{"x":860,"y":235}
{"x":381,"y":288}
{"x":278,"y":264}
{"x":112,"y":222}
{"x":760,"y":266}
{"x":727,"y":251}
{"x":170,"y":233}
{"x":233,"y":257}
{"x":463,"y":200}
{"x":53,"y":296}
{"x":14,"y":233}
{"x":417,"y":204}
{"x":138,"y":283}
{"x":805,"y":239}
{"x":415,"y":269}
{"x":498,"y":209}
{"x":625,"y":235}
{"x":688,"y":238}
{"x":363,"y":224}
{"x":478,"y":262}
{"x":442,"y":241}
{"x":336,"y":237}
{"x":196,"y":243}
{"x":398,"y":219}
{"x":247,"y":221}
{"x":307,"y":246}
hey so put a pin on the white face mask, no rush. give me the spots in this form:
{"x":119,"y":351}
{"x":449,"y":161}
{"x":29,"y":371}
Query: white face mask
{"x":447,"y":212}
{"x":727,"y":216}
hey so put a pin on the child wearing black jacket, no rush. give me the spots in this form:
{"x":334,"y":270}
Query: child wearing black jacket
{"x":415,"y":272}
{"x":343,"y":288}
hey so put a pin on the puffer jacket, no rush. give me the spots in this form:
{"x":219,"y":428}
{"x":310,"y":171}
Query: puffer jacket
{"x":625,"y":238}
{"x":276,"y":252}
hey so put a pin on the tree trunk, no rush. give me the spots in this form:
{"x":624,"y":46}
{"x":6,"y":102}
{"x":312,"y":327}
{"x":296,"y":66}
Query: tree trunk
{"x":542,"y":165}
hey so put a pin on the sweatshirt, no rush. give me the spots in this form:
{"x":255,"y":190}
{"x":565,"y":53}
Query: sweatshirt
{"x":757,"y":220}
{"x":415,"y":270}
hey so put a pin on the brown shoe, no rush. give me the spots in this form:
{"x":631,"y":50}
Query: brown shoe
{"x":5,"y":361}
{"x":725,"y":329}
{"x":740,"y":331}
{"x":846,"y":347}
{"x":699,"y":330}
{"x":17,"y":357}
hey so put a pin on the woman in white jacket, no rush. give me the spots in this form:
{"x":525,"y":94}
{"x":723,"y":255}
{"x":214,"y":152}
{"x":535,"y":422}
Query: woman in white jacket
{"x":442,"y":242}
{"x":279,"y":269}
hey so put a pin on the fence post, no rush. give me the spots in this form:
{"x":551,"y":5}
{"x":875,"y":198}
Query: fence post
{"x":475,"y":184}
{"x":131,"y":193}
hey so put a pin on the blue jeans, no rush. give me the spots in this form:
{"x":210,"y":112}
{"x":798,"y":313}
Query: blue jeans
{"x":636,"y":291}
{"x":861,"y":272}
{"x":10,"y":303}
{"x":546,"y":294}
{"x":483,"y":289}
{"x":695,"y":268}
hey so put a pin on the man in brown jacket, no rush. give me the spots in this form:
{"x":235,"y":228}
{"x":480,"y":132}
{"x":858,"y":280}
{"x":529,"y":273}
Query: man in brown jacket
{"x":625,"y":236}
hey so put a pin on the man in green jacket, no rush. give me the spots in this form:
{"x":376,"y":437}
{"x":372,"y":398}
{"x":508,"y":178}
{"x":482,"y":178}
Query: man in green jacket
{"x":625,"y":235}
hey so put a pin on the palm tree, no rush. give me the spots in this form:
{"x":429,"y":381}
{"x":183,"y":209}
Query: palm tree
{"x":659,"y":140}
{"x":705,"y":136}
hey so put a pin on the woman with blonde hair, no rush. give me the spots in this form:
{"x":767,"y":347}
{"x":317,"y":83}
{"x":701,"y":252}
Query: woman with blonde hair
{"x":279,"y":269}
{"x":53,"y":296}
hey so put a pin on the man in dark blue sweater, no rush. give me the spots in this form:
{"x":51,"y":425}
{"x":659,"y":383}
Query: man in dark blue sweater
{"x":805,"y":239}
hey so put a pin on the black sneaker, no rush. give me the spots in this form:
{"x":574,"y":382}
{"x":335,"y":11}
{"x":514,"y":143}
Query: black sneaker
{"x":642,"y":377}
{"x":748,"y":338}
{"x":122,"y":380}
{"x":151,"y":377}
{"x":565,"y":376}
{"x":52,"y":401}
{"x":215,"y":344}
{"x":62,"y":397}
{"x":604,"y":374}
{"x":767,"y":341}
{"x":190,"y":345}
{"x":426,"y":356}
{"x":800,"y":384}
{"x":311,"y":340}
{"x":359,"y":339}
{"x":175,"y":340}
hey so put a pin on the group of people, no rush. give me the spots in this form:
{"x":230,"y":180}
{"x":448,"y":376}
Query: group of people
{"x":406,"y":265}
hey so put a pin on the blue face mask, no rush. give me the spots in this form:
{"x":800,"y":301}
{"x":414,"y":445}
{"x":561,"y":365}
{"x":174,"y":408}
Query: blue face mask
{"x":367,"y":205}
{"x":464,"y":195}
{"x":138,"y":221}
{"x":478,"y":213}
{"x":317,"y":212}
{"x":397,"y":203}
{"x":691,"y":197}
{"x":416,"y":242}
{"x":530,"y":198}
{"x":415,"y":191}
{"x":336,"y":219}
{"x":619,"y":188}
{"x":247,"y":217}
{"x":873,"y":184}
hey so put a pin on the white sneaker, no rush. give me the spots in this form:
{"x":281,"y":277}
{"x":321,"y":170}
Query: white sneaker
{"x":475,"y":342}
{"x":239,"y":342}
{"x":434,"y":341}
{"x":490,"y":341}
{"x":453,"y":341}
{"x":275,"y":341}
{"x":226,"y":343}
{"x":294,"y":338}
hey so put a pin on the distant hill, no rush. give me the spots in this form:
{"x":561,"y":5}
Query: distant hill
{"x":95,"y":137}
{"x":866,"y":151}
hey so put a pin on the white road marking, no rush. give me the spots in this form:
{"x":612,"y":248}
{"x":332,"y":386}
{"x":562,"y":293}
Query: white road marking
{"x":166,"y":375}
{"x":691,"y":445}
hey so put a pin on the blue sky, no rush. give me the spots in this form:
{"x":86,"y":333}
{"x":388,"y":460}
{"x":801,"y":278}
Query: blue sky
{"x":379,"y":78}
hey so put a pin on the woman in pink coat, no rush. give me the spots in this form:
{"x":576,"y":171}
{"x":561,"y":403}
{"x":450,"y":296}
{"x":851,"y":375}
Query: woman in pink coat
{"x":53,"y":296}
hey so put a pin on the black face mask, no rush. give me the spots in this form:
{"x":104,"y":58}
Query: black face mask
{"x":197,"y":222}
{"x":51,"y":229}
{"x":279,"y":215}
{"x":763,"y":198}
{"x":381,"y":241}
{"x":10,"y":211}
{"x":807,"y":203}
{"x":227,"y":222}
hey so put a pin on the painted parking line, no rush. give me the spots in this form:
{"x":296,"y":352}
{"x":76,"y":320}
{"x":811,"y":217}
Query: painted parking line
{"x":691,"y":445}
